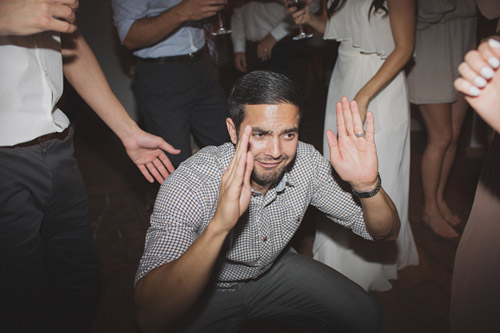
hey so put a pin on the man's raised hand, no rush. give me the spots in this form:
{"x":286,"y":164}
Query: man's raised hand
{"x":353,"y":154}
{"x":235,"y":190}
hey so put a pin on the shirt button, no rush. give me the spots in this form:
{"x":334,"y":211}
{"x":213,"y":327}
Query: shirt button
{"x":254,"y":194}
{"x":298,"y":219}
{"x":262,"y":268}
{"x":264,"y":239}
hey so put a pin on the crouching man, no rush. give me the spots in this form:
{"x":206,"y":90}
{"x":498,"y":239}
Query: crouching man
{"x":217,"y":254}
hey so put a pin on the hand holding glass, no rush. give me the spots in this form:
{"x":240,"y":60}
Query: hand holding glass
{"x":299,"y":4}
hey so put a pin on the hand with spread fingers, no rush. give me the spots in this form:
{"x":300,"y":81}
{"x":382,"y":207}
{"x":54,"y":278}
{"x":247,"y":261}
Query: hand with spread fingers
{"x":235,"y":191}
{"x":352,"y":153}
{"x":480,"y":81}
{"x":147,"y":152}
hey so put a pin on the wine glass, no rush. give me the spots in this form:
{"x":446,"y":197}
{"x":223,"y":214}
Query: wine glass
{"x":299,"y":4}
{"x":221,"y":30}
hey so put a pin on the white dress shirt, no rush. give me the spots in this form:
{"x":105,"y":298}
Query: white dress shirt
{"x":31,"y":83}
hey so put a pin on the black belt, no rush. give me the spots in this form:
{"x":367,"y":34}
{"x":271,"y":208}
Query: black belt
{"x":56,"y":135}
{"x":174,"y":59}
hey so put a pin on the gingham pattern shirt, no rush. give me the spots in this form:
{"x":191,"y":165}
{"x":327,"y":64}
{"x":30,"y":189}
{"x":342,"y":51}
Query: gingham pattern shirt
{"x":187,"y":201}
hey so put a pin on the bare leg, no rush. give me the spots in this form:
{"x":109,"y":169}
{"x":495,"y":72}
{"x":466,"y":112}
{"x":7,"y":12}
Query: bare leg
{"x":458,"y":112}
{"x":437,"y":118}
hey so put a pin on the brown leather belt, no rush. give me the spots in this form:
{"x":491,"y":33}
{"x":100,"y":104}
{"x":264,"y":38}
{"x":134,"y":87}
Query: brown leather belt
{"x":56,"y":135}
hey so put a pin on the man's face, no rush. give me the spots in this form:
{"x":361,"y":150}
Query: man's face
{"x":273,"y":141}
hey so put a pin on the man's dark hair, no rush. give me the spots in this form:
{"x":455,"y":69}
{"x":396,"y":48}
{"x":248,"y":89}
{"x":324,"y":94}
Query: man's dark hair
{"x":261,"y":87}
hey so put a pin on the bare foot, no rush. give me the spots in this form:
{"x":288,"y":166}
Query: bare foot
{"x":439,"y":225}
{"x":448,"y":215}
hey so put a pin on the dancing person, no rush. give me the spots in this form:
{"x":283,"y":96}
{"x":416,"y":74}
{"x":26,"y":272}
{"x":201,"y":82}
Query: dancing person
{"x":51,"y":277}
{"x":216,"y":253}
{"x":446,"y":30}
{"x":376,"y":41}
{"x":177,"y":86}
{"x":475,"y":294}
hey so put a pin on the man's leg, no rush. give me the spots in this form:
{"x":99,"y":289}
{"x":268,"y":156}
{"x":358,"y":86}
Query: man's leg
{"x":300,"y":291}
{"x":71,"y":265}
{"x":217,"y":311}
{"x":165,"y":98}
{"x":208,"y":121}
{"x":24,"y":186}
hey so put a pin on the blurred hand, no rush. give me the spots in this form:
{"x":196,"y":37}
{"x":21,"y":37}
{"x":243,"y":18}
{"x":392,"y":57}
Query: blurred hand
{"x":240,"y":61}
{"x":265,"y":47}
{"x":27,"y":17}
{"x":195,"y":10}
{"x":300,"y":16}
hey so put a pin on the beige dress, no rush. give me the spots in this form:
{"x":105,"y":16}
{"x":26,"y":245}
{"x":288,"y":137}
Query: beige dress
{"x":441,"y":41}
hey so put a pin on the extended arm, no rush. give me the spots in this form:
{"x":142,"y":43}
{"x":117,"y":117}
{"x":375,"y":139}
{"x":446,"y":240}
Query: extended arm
{"x":82,"y":70}
{"x":480,"y":81}
{"x":26,"y":17}
{"x":402,"y":18}
{"x":168,"y":291}
{"x":148,"y":31}
{"x":354,"y":157}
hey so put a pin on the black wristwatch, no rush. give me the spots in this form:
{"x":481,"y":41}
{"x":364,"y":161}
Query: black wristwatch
{"x":369,"y":194}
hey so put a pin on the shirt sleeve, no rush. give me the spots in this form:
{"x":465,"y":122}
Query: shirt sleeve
{"x":280,"y":31}
{"x":333,"y":197}
{"x":238,"y":30}
{"x":125,"y":13}
{"x":176,"y":222}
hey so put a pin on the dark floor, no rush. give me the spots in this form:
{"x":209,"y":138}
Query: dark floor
{"x":120,"y":204}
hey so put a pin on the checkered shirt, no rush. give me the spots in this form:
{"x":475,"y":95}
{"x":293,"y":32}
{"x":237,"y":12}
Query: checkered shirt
{"x":187,"y":201}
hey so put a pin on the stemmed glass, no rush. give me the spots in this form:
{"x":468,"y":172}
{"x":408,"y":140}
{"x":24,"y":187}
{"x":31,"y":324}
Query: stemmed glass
{"x":221,"y":30}
{"x":299,"y":4}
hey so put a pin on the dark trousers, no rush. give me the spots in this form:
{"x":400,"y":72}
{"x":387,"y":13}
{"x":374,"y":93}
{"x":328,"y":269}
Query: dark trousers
{"x":49,"y":276}
{"x":179,"y":98}
{"x":288,"y":57}
{"x":297,"y":291}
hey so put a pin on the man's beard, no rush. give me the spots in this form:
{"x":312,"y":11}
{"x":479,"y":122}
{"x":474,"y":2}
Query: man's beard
{"x":271,"y":178}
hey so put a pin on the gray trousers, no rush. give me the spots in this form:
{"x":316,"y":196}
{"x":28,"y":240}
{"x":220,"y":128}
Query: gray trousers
{"x":182,"y":98}
{"x":297,"y":291}
{"x":49,"y":273}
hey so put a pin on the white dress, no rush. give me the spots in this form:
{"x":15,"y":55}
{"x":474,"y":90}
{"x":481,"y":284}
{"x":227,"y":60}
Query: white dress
{"x":364,"y":46}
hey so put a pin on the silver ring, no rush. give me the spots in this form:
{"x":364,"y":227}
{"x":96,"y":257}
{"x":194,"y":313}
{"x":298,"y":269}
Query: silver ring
{"x":360,"y":135}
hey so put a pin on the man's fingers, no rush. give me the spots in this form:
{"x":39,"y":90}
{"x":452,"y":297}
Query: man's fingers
{"x":341,"y":131}
{"x":241,"y":146}
{"x":346,"y":111}
{"x":154,"y":172}
{"x":145,"y":173}
{"x":356,"y":118}
{"x":161,"y":168}
{"x":370,"y":127}
{"x":166,"y":162}
{"x":63,"y":12}
{"x":248,"y":169}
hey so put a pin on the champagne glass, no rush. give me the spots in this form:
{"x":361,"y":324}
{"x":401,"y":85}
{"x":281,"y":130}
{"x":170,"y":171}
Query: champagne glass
{"x":221,"y":30}
{"x":299,"y":4}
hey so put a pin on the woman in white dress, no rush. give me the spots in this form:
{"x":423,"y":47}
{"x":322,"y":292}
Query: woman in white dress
{"x":377,"y":40}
